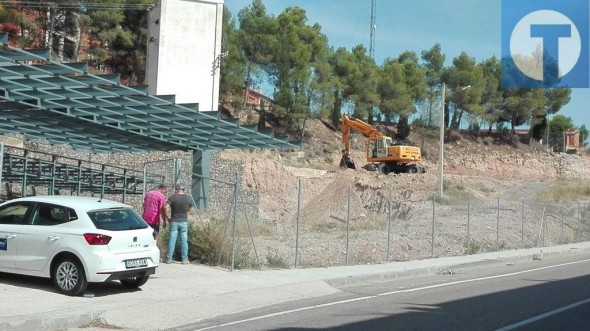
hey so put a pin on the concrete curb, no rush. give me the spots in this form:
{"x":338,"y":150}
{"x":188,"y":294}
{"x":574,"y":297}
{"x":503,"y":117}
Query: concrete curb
{"x":520,"y":255}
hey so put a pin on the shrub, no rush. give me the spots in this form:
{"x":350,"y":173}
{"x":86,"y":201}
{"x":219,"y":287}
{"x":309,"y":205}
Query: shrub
{"x":488,"y":141}
{"x":323,"y":227}
{"x":565,"y":191}
{"x":453,"y":136}
{"x":473,"y":248}
{"x":515,"y":141}
{"x":205,"y":241}
{"x":276,"y":261}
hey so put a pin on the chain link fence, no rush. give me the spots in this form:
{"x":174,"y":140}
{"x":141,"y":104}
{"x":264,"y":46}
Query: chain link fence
{"x":338,"y":228}
{"x":345,"y":223}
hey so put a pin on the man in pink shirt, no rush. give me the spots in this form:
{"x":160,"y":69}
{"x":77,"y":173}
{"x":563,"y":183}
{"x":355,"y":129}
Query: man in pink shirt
{"x":154,"y":207}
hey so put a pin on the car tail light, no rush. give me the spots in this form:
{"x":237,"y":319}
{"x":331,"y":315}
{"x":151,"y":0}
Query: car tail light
{"x":97,"y":239}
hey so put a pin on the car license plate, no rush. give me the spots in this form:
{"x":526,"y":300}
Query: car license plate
{"x":136,"y":263}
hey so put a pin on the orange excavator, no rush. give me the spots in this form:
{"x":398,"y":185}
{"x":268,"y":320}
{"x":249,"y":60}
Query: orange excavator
{"x":382,"y":151}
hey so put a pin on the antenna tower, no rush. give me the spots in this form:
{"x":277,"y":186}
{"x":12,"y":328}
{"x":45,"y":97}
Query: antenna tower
{"x":373,"y":28}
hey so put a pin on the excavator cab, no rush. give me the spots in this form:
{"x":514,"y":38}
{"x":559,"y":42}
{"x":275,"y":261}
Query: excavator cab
{"x":380,"y":147}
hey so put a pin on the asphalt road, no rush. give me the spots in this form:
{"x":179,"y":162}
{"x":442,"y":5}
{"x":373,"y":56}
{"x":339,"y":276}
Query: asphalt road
{"x":552,"y":294}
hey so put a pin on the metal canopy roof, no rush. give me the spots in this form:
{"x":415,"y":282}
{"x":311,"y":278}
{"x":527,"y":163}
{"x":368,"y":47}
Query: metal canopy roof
{"x":64,"y":104}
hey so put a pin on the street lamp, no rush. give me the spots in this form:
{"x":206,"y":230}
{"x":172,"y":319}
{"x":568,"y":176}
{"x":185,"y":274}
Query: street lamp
{"x":442,"y":137}
{"x":216,"y":65}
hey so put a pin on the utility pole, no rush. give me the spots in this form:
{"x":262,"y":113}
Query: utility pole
{"x":441,"y":142}
{"x":373,"y":28}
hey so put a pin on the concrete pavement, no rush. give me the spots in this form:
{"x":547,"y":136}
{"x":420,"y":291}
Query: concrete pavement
{"x":181,"y":294}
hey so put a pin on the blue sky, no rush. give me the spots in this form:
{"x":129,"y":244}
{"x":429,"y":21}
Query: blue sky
{"x":458,"y":25}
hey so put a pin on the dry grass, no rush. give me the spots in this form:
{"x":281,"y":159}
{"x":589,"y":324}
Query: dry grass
{"x":101,"y":324}
{"x":564,"y":191}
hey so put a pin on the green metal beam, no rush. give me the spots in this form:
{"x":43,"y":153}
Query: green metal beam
{"x":63,"y":103}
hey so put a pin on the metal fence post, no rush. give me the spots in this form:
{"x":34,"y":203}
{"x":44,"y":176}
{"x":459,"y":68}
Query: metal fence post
{"x":543,"y":224}
{"x":233,"y":236}
{"x":432,"y":232}
{"x":578,"y":226}
{"x":498,"y":226}
{"x":2,"y":166}
{"x":388,"y":226}
{"x":562,"y":217}
{"x":297,"y":225}
{"x":468,"y":226}
{"x":25,"y":166}
{"x":348,"y":223}
{"x":522,"y":228}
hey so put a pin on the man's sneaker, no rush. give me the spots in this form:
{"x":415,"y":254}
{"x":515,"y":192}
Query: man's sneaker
{"x":185,"y":262}
{"x":168,"y":261}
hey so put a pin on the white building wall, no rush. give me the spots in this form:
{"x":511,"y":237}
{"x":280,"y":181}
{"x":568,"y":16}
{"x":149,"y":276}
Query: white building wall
{"x":184,"y":41}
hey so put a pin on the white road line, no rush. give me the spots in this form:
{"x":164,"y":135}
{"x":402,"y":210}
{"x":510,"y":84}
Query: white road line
{"x":542,"y":316}
{"x":480,"y":279}
{"x":285,"y":312}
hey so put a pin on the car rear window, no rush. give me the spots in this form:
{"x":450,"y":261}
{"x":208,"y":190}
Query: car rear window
{"x":119,"y":219}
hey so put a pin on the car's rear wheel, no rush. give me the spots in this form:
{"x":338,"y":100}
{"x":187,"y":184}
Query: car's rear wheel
{"x":68,"y":276}
{"x":135,"y":282}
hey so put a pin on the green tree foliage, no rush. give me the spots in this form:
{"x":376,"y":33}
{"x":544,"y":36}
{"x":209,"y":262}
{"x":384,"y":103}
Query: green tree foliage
{"x":120,"y":37}
{"x":520,"y":104}
{"x":584,"y":134}
{"x":401,"y":86}
{"x":321,"y":90}
{"x":363,"y":83}
{"x":416,"y":84}
{"x":257,"y":34}
{"x":465,"y":82}
{"x":491,"y":98}
{"x":292,"y":54}
{"x":341,"y":67}
{"x":256,"y":43}
{"x":117,"y":36}
{"x":345,"y":70}
{"x":434,"y":61}
{"x":22,"y":25}
{"x":557,"y":126}
{"x":294,"y":57}
{"x":395,"y":98}
{"x":299,"y":46}
{"x":232,"y":65}
{"x":337,"y":80}
{"x":552,"y":100}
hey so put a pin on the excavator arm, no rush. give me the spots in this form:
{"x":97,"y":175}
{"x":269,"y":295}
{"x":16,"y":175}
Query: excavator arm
{"x":349,"y":124}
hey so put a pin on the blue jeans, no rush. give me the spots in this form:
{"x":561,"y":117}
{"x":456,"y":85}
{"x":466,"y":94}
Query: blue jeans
{"x":175,"y":228}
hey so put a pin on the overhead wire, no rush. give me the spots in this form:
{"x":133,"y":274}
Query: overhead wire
{"x":78,"y":5}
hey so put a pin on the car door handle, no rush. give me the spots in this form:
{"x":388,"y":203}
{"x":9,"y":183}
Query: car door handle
{"x":53,"y":238}
{"x":10,"y":236}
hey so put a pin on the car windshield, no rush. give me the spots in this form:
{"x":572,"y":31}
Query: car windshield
{"x":117,"y":219}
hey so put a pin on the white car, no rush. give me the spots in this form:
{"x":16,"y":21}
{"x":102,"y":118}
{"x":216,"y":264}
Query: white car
{"x":76,"y":240}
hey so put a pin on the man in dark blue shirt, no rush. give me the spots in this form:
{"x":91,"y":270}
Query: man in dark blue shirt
{"x":180,"y":204}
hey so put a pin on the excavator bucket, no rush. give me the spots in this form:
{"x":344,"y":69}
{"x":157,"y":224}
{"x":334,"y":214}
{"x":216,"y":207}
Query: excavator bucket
{"x":346,"y":162}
